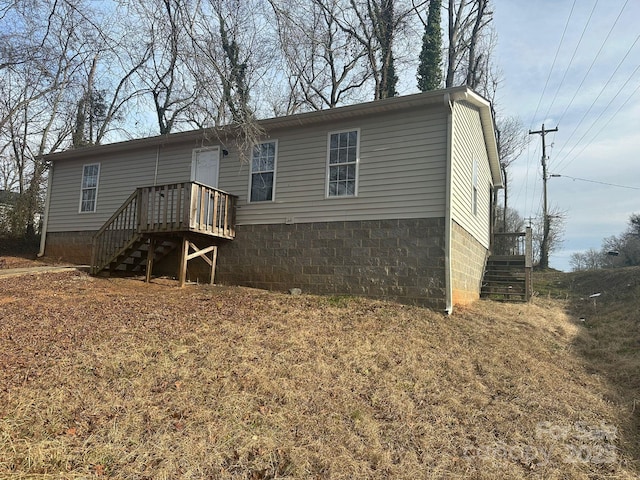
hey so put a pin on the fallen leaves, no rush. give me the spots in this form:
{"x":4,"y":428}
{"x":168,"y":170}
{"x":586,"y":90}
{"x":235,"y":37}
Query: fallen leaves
{"x":118,"y":378}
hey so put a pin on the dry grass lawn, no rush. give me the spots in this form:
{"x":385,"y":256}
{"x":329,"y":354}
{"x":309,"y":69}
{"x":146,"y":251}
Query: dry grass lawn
{"x":117,"y":378}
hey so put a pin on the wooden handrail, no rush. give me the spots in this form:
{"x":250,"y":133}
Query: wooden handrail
{"x":169,"y":208}
{"x":116,"y":232}
{"x":117,"y":213}
{"x":509,"y":243}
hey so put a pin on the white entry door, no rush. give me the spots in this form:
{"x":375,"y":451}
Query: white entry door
{"x":205,"y":166}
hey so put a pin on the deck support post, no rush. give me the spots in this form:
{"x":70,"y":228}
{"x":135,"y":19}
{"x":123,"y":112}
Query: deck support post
{"x":184,"y":258}
{"x":150,"y":254}
{"x":214,"y":260}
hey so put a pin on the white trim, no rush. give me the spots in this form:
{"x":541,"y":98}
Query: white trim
{"x":45,"y":221}
{"x":275,"y":168}
{"x":95,"y":203}
{"x":194,"y":158}
{"x":328,"y":165}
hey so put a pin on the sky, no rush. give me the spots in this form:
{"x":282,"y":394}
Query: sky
{"x":574,"y":65}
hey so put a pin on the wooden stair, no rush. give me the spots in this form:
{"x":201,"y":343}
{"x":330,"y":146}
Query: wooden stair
{"x":133,"y":256}
{"x":505,"y":279}
{"x":154,"y":221}
{"x":507,"y":274}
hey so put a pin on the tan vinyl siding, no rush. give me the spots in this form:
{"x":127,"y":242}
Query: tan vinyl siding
{"x":119,"y":177}
{"x":468,"y":144}
{"x":401,"y":174}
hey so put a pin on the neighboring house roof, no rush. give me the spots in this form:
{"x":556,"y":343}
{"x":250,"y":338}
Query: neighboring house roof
{"x":377,"y":107}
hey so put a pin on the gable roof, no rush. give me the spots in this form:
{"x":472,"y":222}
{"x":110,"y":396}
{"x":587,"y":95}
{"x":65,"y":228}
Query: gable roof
{"x":435,"y":98}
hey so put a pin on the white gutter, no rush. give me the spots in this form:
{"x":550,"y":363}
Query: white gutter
{"x":45,"y":222}
{"x":448,"y":287}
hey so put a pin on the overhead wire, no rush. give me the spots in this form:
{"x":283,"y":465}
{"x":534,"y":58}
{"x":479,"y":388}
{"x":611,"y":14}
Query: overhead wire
{"x":593,"y":62}
{"x":631,"y":95}
{"x":546,"y":83}
{"x":526,"y":183}
{"x":573,"y":56}
{"x":596,"y":181}
{"x":604,"y":87}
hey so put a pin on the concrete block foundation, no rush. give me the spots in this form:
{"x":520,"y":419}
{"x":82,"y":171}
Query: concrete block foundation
{"x":401,"y":260}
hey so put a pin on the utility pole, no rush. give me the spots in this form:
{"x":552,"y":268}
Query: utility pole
{"x":544,"y":247}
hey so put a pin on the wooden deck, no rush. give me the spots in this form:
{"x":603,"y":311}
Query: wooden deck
{"x":157,"y":219}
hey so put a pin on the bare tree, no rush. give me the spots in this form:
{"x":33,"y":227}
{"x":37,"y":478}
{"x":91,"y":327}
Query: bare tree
{"x":591,"y":259}
{"x":557,"y":219}
{"x":467,"y":57}
{"x":512,"y":138}
{"x":477,"y":57}
{"x":375,"y":25}
{"x":231,"y":54}
{"x":24,"y":42}
{"x":38,"y":108}
{"x":106,"y":98}
{"x":160,"y":26}
{"x":325,"y":64}
{"x":471,"y":41}
{"x":624,"y":248}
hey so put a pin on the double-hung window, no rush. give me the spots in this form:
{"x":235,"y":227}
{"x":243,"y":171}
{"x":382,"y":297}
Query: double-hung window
{"x":263,"y":169}
{"x":343,"y":163}
{"x":89,"y":189}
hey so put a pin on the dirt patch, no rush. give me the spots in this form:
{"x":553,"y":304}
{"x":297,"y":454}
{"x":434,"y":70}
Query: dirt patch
{"x":118,"y":378}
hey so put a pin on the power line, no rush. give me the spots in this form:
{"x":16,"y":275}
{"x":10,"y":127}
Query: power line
{"x":596,"y":121}
{"x":593,"y":62}
{"x":554,"y":62}
{"x":598,"y":97}
{"x":573,"y":56}
{"x":555,"y":175}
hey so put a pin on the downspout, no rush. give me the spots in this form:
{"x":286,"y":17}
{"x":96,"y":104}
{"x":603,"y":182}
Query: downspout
{"x":448,"y":215}
{"x":45,"y":222}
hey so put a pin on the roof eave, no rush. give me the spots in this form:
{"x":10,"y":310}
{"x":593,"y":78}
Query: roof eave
{"x":432,"y":99}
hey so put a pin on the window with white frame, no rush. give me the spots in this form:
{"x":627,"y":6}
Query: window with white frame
{"x":89,"y":189}
{"x":263,"y":168}
{"x":343,"y":163}
{"x":474,"y":188}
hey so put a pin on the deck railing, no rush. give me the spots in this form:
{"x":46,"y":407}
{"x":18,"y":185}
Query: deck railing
{"x":514,"y":244}
{"x":171,"y":208}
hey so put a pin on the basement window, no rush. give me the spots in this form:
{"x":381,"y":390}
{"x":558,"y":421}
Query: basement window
{"x":89,"y":189}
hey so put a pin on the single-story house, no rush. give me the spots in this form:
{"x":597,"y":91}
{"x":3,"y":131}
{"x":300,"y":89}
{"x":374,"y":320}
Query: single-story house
{"x":390,"y":199}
